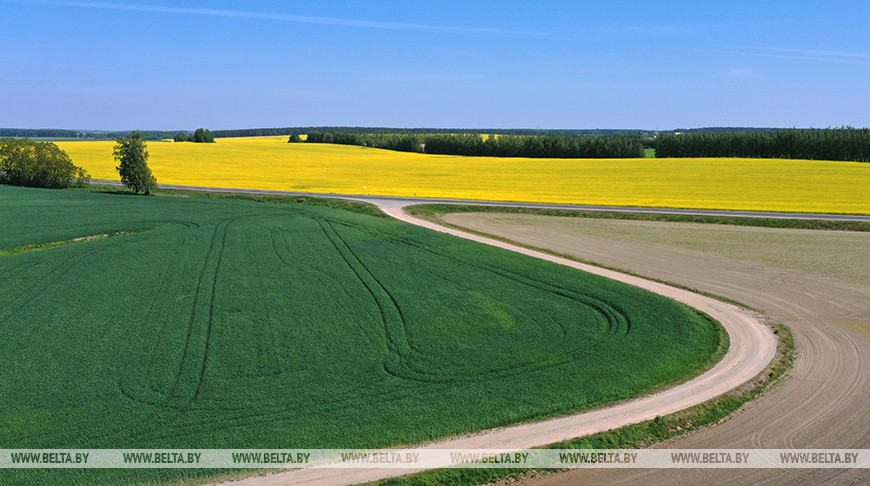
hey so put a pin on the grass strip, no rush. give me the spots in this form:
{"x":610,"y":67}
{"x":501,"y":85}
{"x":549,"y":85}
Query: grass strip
{"x":54,"y":244}
{"x":334,"y":203}
{"x":437,"y":210}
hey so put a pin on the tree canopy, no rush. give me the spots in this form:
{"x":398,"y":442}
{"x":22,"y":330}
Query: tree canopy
{"x":37,"y":164}
{"x":201,"y":135}
{"x":131,"y":153}
{"x":829,"y":144}
{"x":544,"y":146}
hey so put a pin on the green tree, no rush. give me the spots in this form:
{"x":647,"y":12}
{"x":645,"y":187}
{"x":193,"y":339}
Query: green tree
{"x":202,"y":135}
{"x":37,"y":164}
{"x":131,"y":153}
{"x":295,"y":139}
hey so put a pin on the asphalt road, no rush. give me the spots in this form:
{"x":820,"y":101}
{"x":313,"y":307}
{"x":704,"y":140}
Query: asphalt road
{"x":390,"y":202}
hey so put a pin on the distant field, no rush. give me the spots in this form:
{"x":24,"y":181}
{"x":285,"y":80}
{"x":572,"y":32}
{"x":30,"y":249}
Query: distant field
{"x":840,"y":254}
{"x":816,"y":282}
{"x":234,"y":324}
{"x":270,"y":163}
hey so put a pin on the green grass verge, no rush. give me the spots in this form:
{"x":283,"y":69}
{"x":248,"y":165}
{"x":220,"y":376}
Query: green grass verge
{"x":327,"y":202}
{"x":225,"y":323}
{"x":436,"y":210}
{"x":54,"y":244}
{"x":632,"y":436}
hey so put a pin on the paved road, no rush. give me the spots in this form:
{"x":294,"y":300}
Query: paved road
{"x":397,"y":202}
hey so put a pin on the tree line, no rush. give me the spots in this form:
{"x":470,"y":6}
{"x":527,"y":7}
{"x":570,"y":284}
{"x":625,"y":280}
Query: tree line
{"x":37,"y":133}
{"x":403,"y":142}
{"x":201,"y":135}
{"x":537,"y":146}
{"x":540,"y":146}
{"x":146,"y":134}
{"x":821,"y":144}
{"x":263,"y":132}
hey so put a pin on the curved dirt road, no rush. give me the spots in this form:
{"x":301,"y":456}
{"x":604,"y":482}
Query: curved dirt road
{"x":753,"y":346}
{"x":816,"y":282}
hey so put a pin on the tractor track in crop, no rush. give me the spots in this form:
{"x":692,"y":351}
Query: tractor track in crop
{"x":753,"y":346}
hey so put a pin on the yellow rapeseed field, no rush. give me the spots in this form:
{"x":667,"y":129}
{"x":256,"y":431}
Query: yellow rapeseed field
{"x":705,"y":183}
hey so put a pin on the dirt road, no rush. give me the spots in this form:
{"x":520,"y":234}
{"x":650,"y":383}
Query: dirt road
{"x":752,"y":347}
{"x":816,"y":282}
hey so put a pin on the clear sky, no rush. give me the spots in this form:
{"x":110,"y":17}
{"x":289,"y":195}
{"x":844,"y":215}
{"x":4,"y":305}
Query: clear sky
{"x":453,"y":64}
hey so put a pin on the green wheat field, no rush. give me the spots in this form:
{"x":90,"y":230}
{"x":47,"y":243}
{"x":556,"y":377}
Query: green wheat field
{"x":208,"y":323}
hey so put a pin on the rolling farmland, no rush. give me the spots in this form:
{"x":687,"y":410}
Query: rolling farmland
{"x":698,"y":183}
{"x":172,"y":322}
{"x":341,"y":243}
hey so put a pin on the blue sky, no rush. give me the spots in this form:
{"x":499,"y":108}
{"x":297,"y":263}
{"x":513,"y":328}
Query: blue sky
{"x":464,"y":64}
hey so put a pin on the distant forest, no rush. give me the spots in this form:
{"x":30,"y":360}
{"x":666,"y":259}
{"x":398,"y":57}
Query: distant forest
{"x":84,"y":134}
{"x":538,"y":146}
{"x":262,"y":132}
{"x":38,"y":133}
{"x":845,"y":143}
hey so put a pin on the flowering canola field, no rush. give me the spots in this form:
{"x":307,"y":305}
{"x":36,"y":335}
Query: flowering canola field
{"x":700,"y":183}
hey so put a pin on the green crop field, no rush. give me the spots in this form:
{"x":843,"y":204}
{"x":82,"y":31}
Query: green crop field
{"x":205,"y":323}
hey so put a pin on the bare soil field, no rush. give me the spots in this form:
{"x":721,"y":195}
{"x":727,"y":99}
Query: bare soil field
{"x":815,"y":282}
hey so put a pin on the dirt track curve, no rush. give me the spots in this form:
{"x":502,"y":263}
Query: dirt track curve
{"x":815,"y":282}
{"x":753,"y":345}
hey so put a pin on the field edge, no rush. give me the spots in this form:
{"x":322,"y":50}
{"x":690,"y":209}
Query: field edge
{"x":635,"y":436}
